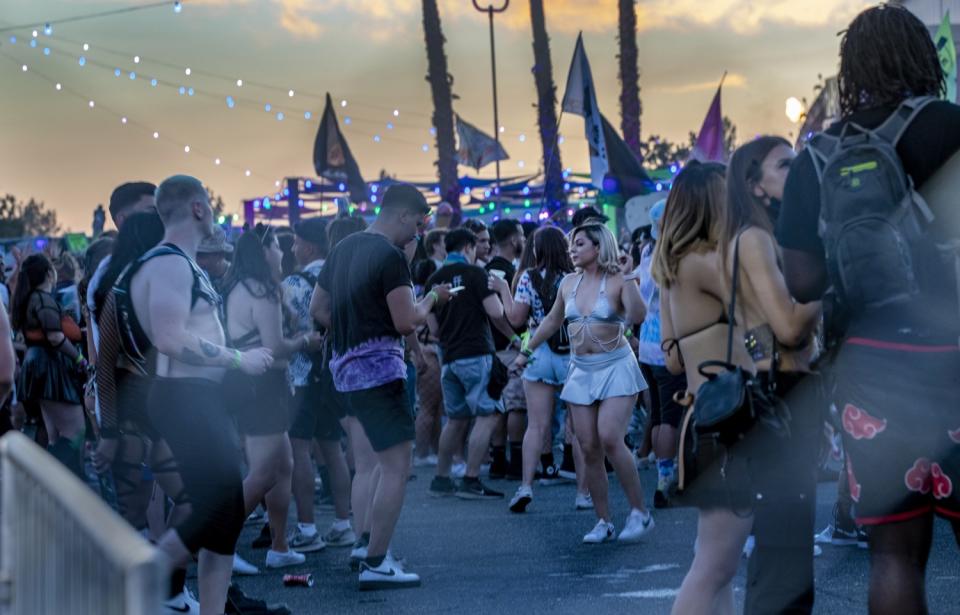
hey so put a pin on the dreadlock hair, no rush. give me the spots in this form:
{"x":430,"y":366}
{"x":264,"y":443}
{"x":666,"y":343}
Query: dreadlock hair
{"x":887,"y":56}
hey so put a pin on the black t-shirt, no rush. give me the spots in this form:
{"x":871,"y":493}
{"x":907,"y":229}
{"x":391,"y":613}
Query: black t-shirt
{"x":499,"y":263}
{"x":930,"y":140}
{"x":358,"y":275}
{"x":464,"y":326}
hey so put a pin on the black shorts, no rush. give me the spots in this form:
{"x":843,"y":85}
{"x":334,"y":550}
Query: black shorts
{"x":901,"y":429}
{"x":131,"y":400}
{"x":664,"y":385}
{"x":385,"y":414}
{"x":261,"y":404}
{"x":317,"y":410}
{"x":190,"y":415}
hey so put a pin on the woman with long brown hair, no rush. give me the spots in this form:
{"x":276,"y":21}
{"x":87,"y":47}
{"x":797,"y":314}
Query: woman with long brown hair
{"x":702,"y":242}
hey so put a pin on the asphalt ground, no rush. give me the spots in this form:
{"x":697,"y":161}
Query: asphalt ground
{"x":477,"y":557}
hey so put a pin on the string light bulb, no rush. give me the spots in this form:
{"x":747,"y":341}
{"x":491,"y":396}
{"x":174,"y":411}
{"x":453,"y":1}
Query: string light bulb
{"x":187,"y":71}
{"x":136,"y":59}
{"x":177,"y":7}
{"x":239,"y":83}
{"x":216,"y":161}
{"x":59,"y":87}
{"x":186,"y":149}
{"x":343,"y":103}
{"x":247,"y":172}
{"x":291,"y":93}
{"x":24,"y":68}
{"x":86,"y":47}
{"x":47,"y":29}
{"x":123,"y":120}
{"x":156,"y":135}
{"x":92,"y":104}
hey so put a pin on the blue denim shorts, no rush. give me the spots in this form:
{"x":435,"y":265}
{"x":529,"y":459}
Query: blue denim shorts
{"x":464,"y":384}
{"x":547,"y":366}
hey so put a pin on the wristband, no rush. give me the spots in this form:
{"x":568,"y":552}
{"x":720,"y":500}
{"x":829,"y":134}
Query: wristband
{"x":628,"y":332}
{"x":79,"y":360}
{"x":237,"y":357}
{"x":436,"y":297}
{"x":516,"y":339}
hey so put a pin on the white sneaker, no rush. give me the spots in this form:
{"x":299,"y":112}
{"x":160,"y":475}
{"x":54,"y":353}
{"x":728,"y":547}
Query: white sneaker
{"x":817,"y":551}
{"x":638,"y":525}
{"x":583,"y":502}
{"x":521,"y":499}
{"x":601,"y":532}
{"x":388,"y":575}
{"x":243,"y":567}
{"x":256,"y":516}
{"x":357,"y":555}
{"x":306,"y":543}
{"x":430,"y":461}
{"x":340,"y":538}
{"x":749,"y":545}
{"x":281,"y":559}
{"x":825,"y":537}
{"x":458,"y":470}
{"x":184,"y":602}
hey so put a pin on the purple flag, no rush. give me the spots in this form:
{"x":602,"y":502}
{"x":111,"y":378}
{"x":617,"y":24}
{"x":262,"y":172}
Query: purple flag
{"x":710,"y":146}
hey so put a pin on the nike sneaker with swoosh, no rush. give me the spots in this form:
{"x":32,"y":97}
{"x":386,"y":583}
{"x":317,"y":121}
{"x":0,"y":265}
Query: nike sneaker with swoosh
{"x":388,"y":575}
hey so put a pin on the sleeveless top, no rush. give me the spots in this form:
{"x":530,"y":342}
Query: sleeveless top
{"x":602,"y":313}
{"x":135,"y":343}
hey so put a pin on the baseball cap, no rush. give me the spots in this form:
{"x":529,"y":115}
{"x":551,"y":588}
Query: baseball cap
{"x":588,"y":213}
{"x":404,"y":196}
{"x":216,"y":243}
{"x":313,"y":230}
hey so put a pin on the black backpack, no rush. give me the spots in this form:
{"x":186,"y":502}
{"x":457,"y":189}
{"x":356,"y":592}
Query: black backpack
{"x":873,"y":223}
{"x":559,"y":342}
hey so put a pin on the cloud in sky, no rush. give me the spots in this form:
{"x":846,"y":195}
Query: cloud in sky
{"x":733,"y":80}
{"x":306,"y":18}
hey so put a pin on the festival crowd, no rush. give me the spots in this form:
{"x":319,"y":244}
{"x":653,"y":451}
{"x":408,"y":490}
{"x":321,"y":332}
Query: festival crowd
{"x":769,"y":299}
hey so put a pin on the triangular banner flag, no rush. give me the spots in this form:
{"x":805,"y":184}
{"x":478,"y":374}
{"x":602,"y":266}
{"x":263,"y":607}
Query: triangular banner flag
{"x":332,"y":158}
{"x":580,"y":98}
{"x":476,"y":148}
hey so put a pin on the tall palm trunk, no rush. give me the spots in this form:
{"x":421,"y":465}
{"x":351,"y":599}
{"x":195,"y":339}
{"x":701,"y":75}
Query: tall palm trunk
{"x":630,"y":107}
{"x":546,"y":108}
{"x":440,"y":81}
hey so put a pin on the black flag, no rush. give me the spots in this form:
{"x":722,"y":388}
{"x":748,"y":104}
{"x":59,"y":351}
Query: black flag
{"x":332,"y":158}
{"x":624,"y":168}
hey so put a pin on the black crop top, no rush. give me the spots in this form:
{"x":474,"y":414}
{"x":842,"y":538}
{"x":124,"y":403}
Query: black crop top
{"x":136,"y":345}
{"x":43,"y":314}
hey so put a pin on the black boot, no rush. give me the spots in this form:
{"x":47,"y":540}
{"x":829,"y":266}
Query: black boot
{"x":498,"y":465}
{"x":515,"y":469}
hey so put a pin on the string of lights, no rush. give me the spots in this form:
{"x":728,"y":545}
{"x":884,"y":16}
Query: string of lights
{"x":47,"y":25}
{"x":127,"y":121}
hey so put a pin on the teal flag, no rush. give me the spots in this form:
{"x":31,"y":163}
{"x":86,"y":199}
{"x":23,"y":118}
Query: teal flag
{"x":948,"y":56}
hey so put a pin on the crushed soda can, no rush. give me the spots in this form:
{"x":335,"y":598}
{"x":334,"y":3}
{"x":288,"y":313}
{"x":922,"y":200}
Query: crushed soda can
{"x":298,"y":580}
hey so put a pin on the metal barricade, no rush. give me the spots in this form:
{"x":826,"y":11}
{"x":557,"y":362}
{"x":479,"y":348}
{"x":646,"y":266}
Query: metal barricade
{"x":63,"y":551}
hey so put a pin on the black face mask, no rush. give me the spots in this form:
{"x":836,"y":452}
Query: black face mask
{"x":773,"y":210}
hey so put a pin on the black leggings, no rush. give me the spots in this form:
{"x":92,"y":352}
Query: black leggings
{"x":190,"y":415}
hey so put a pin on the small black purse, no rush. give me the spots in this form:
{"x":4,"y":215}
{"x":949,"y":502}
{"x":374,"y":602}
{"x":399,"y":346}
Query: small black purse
{"x":725,"y":406}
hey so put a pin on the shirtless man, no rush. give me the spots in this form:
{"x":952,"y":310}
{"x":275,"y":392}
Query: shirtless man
{"x":174,"y":311}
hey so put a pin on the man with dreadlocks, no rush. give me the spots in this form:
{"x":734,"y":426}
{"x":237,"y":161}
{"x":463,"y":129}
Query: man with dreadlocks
{"x":896,"y":365}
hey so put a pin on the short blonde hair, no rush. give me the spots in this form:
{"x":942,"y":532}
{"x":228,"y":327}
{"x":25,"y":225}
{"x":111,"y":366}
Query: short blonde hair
{"x":599,"y":235}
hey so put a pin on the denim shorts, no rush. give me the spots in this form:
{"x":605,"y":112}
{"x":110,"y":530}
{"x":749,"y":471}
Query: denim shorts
{"x":464,"y":383}
{"x":547,"y":366}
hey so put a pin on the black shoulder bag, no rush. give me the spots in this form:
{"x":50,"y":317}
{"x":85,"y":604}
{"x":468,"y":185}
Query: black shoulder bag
{"x":559,"y":342}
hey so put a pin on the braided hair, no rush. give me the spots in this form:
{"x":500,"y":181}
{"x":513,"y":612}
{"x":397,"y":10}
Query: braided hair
{"x":887,"y":56}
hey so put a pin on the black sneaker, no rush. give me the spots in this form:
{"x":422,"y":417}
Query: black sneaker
{"x":550,"y":475}
{"x":660,"y":499}
{"x":473,"y":489}
{"x":442,"y":487}
{"x":238,"y":603}
{"x":264,"y":540}
{"x":498,"y":468}
{"x":515,"y":468}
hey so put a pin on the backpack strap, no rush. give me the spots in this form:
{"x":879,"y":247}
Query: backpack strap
{"x":893,"y":128}
{"x":821,"y":146}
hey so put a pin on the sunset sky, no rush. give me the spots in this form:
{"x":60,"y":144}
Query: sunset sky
{"x":58,"y":149}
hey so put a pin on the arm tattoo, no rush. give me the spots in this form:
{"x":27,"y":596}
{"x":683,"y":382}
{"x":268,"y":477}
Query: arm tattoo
{"x":209,"y":349}
{"x":191,"y":357}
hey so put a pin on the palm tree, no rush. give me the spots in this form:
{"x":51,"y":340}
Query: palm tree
{"x":440,"y":82}
{"x":546,"y":108}
{"x":630,"y":107}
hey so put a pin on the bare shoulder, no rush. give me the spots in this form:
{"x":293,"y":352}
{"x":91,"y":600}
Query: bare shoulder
{"x":755,"y":240}
{"x":168,"y":270}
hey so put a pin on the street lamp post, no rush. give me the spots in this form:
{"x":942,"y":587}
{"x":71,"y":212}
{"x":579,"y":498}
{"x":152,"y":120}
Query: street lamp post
{"x":490,"y":10}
